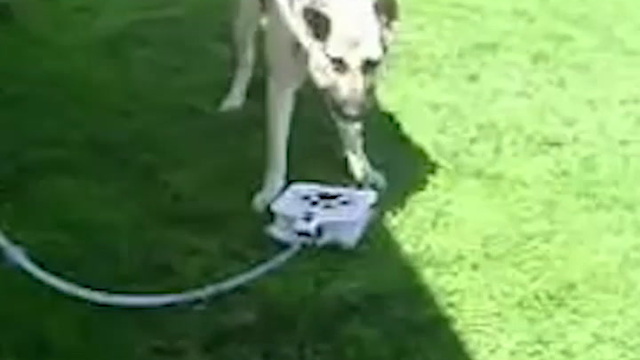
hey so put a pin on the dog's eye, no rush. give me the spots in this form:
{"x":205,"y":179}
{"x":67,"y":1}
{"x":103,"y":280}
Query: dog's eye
{"x":339,"y":65}
{"x":370,"y":65}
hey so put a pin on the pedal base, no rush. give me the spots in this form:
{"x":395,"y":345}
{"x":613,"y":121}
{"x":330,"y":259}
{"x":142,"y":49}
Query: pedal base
{"x":322,"y":215}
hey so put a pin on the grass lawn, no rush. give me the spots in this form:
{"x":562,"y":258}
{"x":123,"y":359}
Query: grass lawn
{"x":510,"y":133}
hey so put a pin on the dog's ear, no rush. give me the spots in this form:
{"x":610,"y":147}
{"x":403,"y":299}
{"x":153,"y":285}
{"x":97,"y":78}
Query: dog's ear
{"x":318,"y":23}
{"x":388,"y":11}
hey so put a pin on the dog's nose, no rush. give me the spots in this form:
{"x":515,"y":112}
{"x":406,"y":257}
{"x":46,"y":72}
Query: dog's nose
{"x":348,"y":109}
{"x":352,"y":111}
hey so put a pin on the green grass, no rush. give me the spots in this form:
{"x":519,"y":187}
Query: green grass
{"x":510,"y":133}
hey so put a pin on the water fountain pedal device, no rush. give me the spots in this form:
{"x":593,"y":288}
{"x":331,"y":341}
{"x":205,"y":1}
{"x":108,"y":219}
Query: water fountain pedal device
{"x":322,"y":215}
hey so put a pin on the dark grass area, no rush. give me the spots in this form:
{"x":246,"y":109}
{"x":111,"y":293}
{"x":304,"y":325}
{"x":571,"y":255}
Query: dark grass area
{"x":117,"y":171}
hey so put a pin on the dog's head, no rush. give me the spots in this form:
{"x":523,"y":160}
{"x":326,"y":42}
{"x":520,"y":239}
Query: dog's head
{"x":352,"y":38}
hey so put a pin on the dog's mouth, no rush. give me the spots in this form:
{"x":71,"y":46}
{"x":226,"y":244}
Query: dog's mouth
{"x":345,"y":113}
{"x":338,"y":114}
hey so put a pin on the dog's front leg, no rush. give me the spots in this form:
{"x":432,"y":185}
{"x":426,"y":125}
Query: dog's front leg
{"x":286,"y":75}
{"x":352,"y":136}
{"x":280,"y":103}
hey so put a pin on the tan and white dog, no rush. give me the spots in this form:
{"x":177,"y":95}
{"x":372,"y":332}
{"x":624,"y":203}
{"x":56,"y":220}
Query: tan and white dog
{"x":339,"y":44}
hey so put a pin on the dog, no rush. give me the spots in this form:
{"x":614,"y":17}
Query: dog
{"x":340,"y":45}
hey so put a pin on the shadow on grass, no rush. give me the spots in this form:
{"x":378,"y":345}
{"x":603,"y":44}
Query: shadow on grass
{"x":116,"y":171}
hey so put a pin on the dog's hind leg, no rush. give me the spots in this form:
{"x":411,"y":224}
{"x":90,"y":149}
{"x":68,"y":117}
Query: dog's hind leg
{"x":245,"y":27}
{"x":352,"y":136}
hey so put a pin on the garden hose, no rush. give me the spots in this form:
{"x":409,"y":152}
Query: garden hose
{"x":17,"y":256}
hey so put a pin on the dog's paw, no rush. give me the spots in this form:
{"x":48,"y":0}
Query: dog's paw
{"x":231,"y":103}
{"x":263,"y":198}
{"x":375,"y":179}
{"x":365,"y":174}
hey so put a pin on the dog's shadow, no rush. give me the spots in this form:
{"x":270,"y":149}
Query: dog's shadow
{"x":156,"y":187}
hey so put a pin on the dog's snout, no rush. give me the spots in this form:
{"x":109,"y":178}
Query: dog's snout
{"x":350,"y":93}
{"x":353,"y":99}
